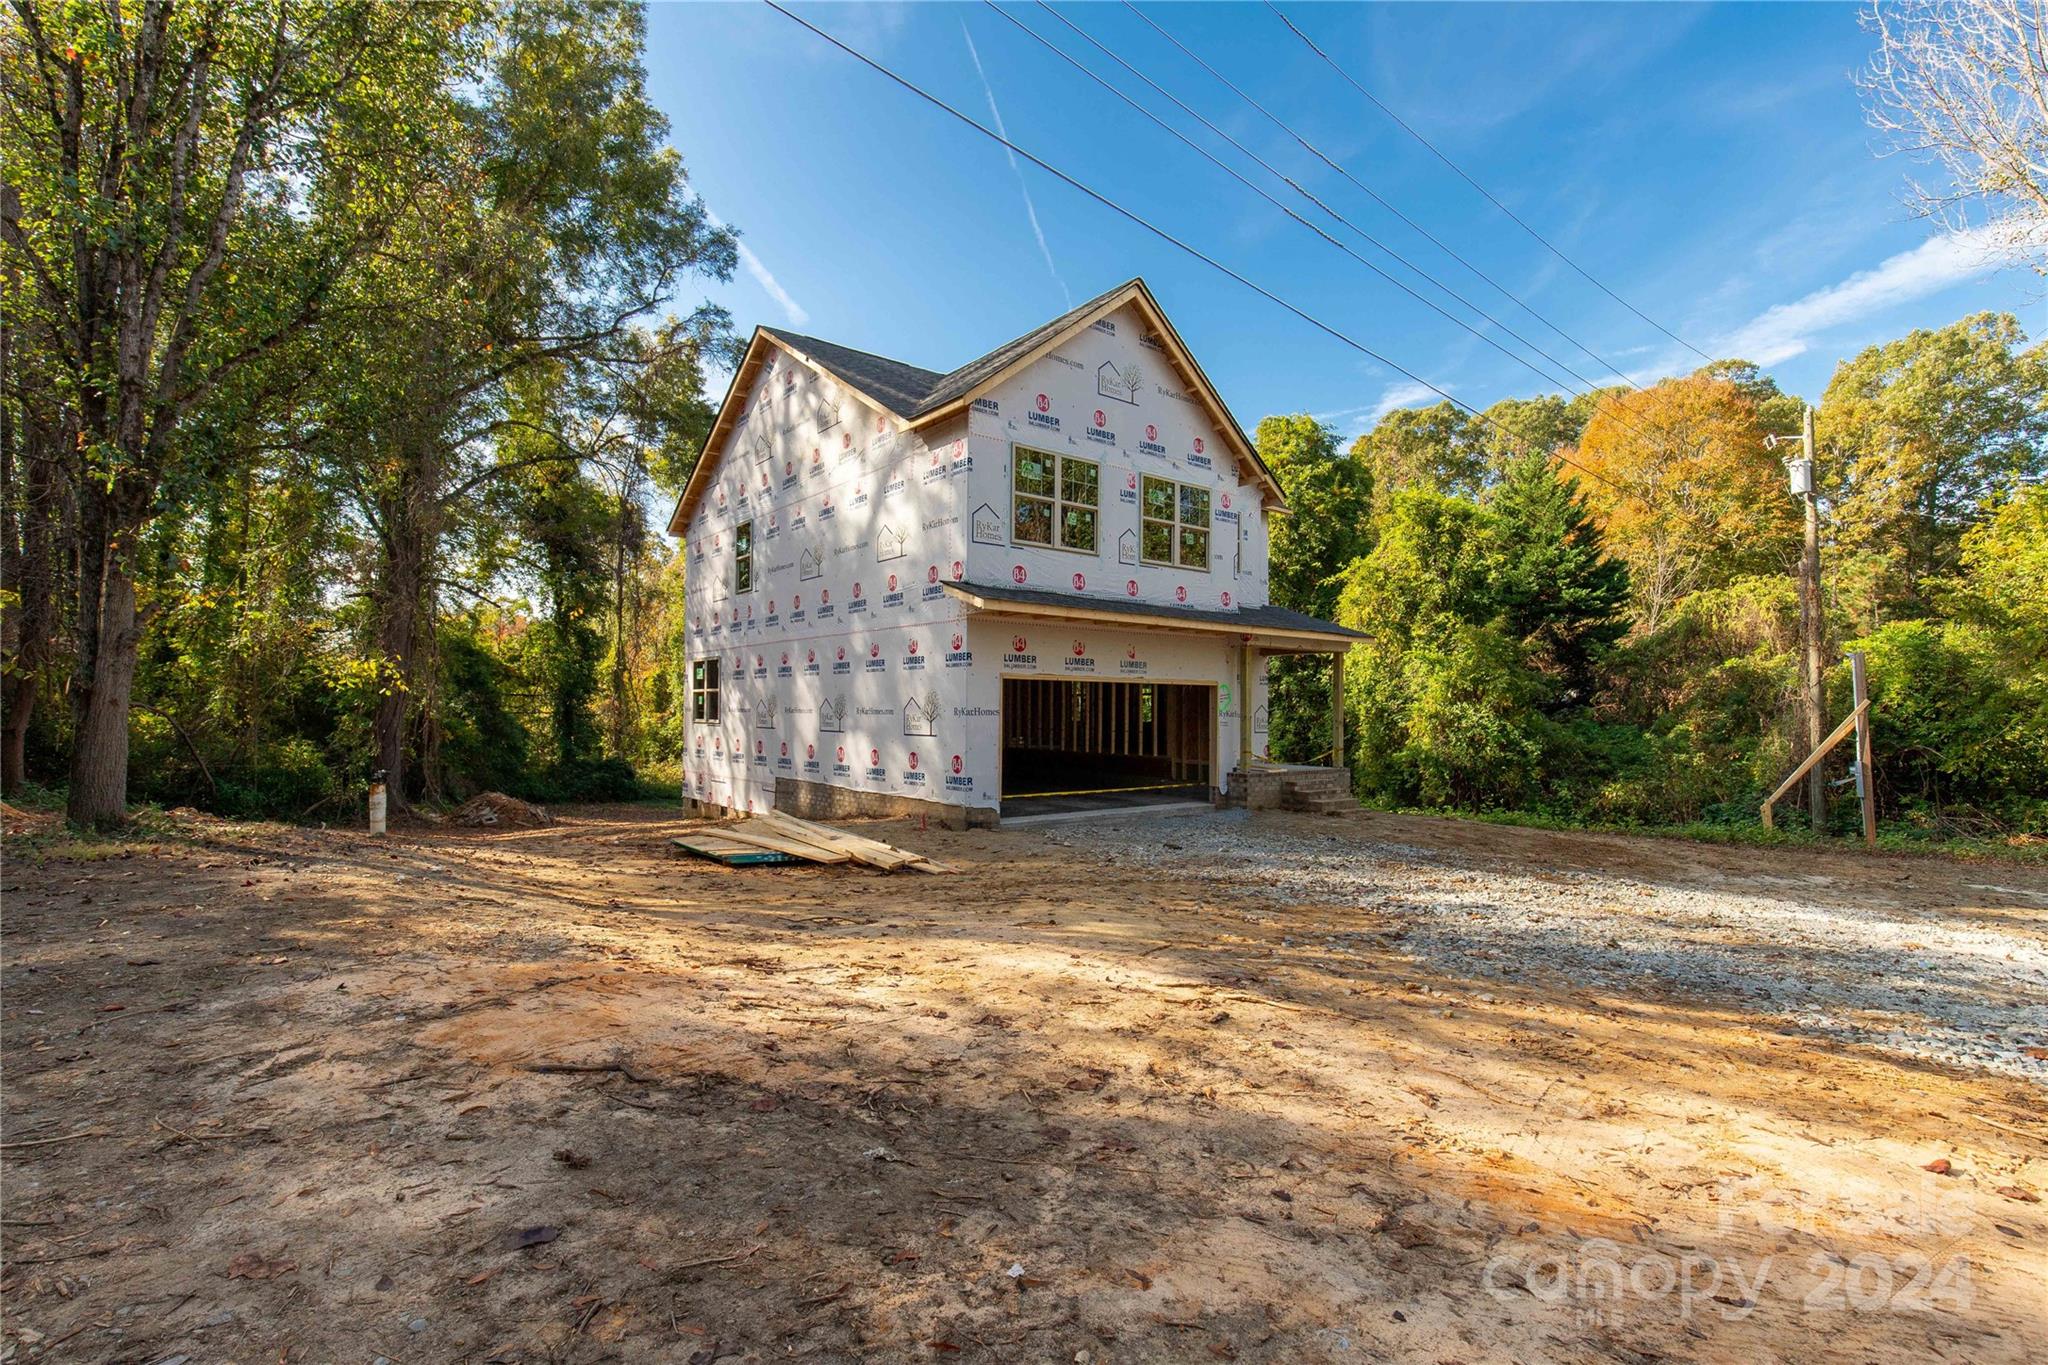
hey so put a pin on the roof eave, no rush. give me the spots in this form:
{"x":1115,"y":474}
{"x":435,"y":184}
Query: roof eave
{"x":1311,"y":641}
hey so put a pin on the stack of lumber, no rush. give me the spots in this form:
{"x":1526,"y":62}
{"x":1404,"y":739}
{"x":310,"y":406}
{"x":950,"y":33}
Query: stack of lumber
{"x":718,"y":848}
{"x":771,"y":837}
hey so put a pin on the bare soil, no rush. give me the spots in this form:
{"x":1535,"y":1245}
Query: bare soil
{"x":562,"y":1094}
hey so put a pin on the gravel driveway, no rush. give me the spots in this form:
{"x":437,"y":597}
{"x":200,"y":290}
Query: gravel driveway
{"x":1950,"y":968}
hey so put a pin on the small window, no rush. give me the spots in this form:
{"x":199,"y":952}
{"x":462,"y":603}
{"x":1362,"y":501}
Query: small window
{"x":1176,"y":524}
{"x":1054,"y":491}
{"x":704,"y":691}
{"x":743,"y":557}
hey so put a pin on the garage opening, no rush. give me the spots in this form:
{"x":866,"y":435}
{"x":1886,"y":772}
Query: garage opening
{"x":1087,"y":744}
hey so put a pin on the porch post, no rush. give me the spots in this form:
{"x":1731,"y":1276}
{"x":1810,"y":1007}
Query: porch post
{"x":1244,"y":707}
{"x":1337,"y":708}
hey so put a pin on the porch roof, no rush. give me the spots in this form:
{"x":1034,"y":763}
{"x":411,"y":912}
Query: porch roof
{"x":1275,"y":627}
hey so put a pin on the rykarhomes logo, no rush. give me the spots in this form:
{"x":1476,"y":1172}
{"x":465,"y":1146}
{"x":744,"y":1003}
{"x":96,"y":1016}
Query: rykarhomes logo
{"x":1119,"y":384}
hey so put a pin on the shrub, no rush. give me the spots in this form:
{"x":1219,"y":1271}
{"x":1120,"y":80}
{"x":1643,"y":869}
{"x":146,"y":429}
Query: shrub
{"x":591,"y":779}
{"x":1955,"y":734}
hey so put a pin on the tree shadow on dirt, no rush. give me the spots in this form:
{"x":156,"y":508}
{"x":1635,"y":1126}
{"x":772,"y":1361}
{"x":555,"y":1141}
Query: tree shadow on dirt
{"x":839,"y":1126}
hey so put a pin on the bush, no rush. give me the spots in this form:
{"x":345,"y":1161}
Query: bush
{"x":592,"y":779}
{"x":286,"y":781}
{"x":1957,"y":737}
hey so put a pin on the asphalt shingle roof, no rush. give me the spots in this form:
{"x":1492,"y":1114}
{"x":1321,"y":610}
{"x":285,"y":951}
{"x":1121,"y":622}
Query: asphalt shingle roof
{"x":909,"y":391}
{"x":895,"y":385}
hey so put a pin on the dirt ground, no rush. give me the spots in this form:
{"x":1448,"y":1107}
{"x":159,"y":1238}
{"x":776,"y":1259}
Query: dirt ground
{"x":563,"y":1095}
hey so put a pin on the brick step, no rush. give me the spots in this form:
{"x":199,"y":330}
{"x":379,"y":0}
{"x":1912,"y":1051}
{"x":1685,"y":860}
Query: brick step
{"x":1315,"y":789}
{"x":1335,"y":782}
{"x":1320,"y":805}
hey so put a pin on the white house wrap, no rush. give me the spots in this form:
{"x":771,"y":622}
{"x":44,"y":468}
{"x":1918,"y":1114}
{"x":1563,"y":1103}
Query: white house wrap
{"x":881,"y":558}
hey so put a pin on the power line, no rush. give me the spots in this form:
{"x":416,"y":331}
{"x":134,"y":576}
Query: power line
{"x":1590,"y":386}
{"x":1200,"y":255}
{"x":1384,"y":203}
{"x":1512,"y":215}
{"x":1620,"y":406}
{"x":1242,"y":180}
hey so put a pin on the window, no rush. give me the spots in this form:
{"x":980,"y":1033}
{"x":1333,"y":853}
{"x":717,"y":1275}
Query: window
{"x":1176,"y":524}
{"x":704,"y":691}
{"x":743,"y":557}
{"x":1054,"y":491}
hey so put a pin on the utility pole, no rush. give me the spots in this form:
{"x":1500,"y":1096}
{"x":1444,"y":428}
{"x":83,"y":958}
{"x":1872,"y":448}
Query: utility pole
{"x":1811,"y":626}
{"x":1799,"y":469}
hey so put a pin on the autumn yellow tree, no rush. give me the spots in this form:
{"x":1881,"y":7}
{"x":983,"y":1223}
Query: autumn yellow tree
{"x":1687,"y":494}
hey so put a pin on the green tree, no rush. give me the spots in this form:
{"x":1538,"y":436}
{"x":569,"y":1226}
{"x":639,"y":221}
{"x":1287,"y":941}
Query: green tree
{"x":185,"y":187}
{"x":1558,"y":590}
{"x":1329,"y":501}
{"x":1437,"y":448}
{"x":1491,"y":627}
{"x":2002,"y":584}
{"x":1921,"y":433}
{"x":1327,"y":527}
{"x":1959,"y":740}
{"x":1514,"y":427}
{"x":560,"y":218}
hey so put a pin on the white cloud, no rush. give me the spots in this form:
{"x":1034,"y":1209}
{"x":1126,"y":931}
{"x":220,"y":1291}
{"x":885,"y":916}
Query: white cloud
{"x":763,"y":276}
{"x":1030,"y":209}
{"x":1790,"y":329}
{"x":1403,"y":395}
{"x":1354,"y":422}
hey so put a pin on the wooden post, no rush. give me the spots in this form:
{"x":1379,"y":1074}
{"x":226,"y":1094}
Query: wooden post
{"x":1244,"y":707}
{"x":1866,"y":779}
{"x":1854,"y":721}
{"x":1812,"y":623}
{"x":1337,"y":708}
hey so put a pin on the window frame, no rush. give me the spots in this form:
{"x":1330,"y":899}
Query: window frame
{"x":1176,"y":526}
{"x":704,"y":708}
{"x":743,"y":556}
{"x":1057,"y":501}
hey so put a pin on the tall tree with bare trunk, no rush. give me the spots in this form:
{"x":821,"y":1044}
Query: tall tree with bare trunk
{"x":560,"y":219}
{"x":186,"y":182}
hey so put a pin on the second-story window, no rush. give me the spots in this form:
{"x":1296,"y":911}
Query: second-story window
{"x":743,"y":557}
{"x":1056,"y":500}
{"x":1176,"y":524}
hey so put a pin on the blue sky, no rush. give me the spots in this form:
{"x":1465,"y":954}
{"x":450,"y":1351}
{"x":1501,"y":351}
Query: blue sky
{"x":1710,"y":164}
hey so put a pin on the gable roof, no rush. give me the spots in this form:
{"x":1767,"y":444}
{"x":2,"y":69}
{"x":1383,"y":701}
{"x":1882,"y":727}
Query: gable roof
{"x":911,"y":392}
{"x":917,"y":396}
{"x":963,"y":382}
{"x":896,"y":386}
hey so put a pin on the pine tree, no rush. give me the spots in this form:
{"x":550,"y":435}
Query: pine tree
{"x":1556,"y":587}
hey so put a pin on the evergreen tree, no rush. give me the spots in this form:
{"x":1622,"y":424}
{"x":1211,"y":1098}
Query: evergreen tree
{"x":1557,"y":589}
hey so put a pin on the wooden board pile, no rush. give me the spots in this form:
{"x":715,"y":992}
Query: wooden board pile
{"x":772,"y":837}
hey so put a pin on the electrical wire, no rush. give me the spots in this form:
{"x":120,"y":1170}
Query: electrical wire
{"x":1489,"y":195}
{"x":1619,"y":405}
{"x":1549,"y":378}
{"x":1131,"y":215}
{"x":1241,"y":179}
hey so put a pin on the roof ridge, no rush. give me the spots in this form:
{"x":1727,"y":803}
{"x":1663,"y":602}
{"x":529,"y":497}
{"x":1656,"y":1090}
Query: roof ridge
{"x":871,"y":372}
{"x":956,"y":382}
